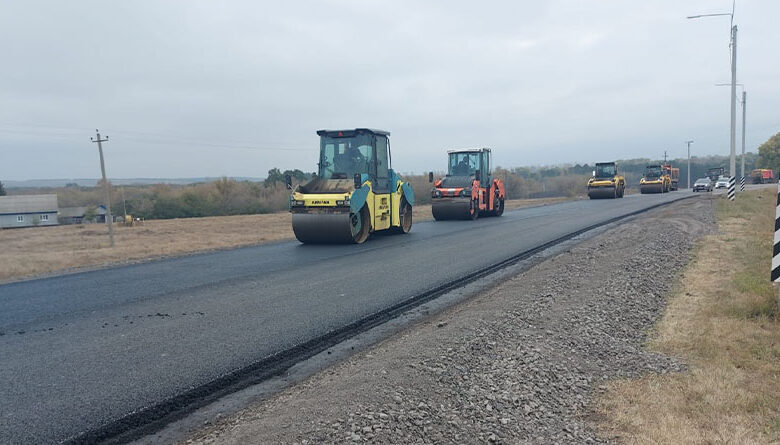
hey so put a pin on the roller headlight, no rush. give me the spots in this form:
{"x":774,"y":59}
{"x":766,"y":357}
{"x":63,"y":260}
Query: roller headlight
{"x":465,"y":192}
{"x":435,"y":193}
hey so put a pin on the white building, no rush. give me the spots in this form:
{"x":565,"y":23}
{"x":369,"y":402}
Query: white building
{"x":28,"y":211}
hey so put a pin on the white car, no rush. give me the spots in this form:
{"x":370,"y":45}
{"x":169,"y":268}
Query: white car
{"x":723,"y":183}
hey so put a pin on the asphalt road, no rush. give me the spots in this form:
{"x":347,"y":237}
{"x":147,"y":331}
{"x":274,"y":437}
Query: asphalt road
{"x":79,"y":351}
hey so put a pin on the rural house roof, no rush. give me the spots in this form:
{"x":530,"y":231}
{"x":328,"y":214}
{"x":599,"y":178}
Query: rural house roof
{"x":12,"y":205}
{"x":70,"y":212}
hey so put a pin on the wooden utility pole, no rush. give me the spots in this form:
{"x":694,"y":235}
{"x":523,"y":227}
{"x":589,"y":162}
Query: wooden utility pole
{"x":109,"y":218}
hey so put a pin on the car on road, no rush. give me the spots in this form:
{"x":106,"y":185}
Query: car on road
{"x":702,"y":185}
{"x":722,"y":183}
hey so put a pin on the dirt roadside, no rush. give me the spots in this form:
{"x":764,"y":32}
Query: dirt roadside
{"x":518,"y":363}
{"x":37,"y":251}
{"x":723,"y":319}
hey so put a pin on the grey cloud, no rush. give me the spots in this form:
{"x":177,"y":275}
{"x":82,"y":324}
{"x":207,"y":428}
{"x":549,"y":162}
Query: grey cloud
{"x":540,"y":82}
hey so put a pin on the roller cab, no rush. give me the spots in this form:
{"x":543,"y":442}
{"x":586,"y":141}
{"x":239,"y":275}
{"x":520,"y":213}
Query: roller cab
{"x":355,"y":192}
{"x":467,"y":191}
{"x":606,"y":182}
{"x":656,"y":179}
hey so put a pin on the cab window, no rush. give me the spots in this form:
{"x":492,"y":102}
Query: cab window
{"x":382,"y":164}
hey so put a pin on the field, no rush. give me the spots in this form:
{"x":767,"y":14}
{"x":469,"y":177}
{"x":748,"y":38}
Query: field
{"x":45,"y":250}
{"x":723,"y":322}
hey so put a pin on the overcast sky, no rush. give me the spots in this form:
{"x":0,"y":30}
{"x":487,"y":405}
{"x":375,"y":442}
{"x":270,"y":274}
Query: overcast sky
{"x":209,"y":88}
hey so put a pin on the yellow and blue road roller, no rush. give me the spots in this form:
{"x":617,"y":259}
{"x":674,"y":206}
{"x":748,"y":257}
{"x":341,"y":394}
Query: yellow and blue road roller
{"x":355,"y":192}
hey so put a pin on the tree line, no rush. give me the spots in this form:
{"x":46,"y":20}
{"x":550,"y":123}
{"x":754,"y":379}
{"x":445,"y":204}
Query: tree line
{"x":769,"y":154}
{"x":222,"y":197}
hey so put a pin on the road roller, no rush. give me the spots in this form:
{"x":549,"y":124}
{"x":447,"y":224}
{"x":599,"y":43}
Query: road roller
{"x":467,"y":191}
{"x":674,"y":176}
{"x":355,"y":192}
{"x":606,"y":182}
{"x":655,"y":180}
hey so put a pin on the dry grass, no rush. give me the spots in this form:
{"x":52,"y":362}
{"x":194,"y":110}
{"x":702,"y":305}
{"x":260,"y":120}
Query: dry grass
{"x":44,"y":250}
{"x":722,"y":321}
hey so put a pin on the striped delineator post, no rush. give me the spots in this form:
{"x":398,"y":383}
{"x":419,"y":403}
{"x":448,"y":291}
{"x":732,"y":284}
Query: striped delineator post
{"x":742,"y":184}
{"x":732,"y":188}
{"x":776,"y":247}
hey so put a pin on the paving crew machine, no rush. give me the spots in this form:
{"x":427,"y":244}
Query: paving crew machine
{"x":355,"y":192}
{"x":762,"y":176}
{"x":674,"y":176}
{"x":655,"y":180}
{"x":606,"y":182}
{"x":467,"y":191}
{"x":715,"y":173}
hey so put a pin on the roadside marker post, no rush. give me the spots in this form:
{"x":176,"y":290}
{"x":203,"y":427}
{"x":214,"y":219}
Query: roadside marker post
{"x":776,"y":246}
{"x":742,"y":184}
{"x":732,"y":188}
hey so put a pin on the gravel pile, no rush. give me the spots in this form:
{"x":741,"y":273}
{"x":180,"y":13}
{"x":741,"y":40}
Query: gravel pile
{"x":519,"y":363}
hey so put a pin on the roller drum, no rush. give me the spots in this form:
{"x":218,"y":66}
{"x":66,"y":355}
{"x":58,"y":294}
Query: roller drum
{"x":651,"y":188}
{"x":329,"y":228}
{"x":443,"y":210}
{"x":601,"y":192}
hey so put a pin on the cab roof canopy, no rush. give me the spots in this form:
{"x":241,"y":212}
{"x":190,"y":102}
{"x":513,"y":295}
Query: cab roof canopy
{"x":468,"y":150}
{"x":605,"y":163}
{"x":351,"y":132}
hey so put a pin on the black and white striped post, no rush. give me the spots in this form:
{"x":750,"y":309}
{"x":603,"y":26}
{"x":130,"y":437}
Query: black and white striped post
{"x":732,"y":188}
{"x":776,"y":248}
{"x":742,"y":184}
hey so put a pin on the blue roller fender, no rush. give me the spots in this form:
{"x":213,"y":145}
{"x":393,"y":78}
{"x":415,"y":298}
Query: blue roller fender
{"x":358,"y":198}
{"x":408,"y":193}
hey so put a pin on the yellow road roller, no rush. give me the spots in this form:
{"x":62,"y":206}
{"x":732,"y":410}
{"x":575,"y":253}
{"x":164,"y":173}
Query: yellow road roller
{"x":355,"y":192}
{"x":655,"y":180}
{"x":606,"y":182}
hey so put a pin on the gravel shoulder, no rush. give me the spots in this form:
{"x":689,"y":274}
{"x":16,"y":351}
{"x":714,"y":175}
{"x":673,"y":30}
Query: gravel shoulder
{"x":519,"y":363}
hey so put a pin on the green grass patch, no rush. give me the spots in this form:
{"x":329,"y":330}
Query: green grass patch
{"x":752,"y":294}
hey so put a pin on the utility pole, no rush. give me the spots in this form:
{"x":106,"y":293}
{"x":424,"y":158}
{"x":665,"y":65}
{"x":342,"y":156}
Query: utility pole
{"x":689,"y":162}
{"x":744,"y":105}
{"x":107,"y":191}
{"x":733,"y":144}
{"x":664,"y":157}
{"x":733,"y":44}
{"x":124,"y":203}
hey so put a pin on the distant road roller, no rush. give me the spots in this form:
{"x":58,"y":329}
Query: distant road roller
{"x":655,"y":180}
{"x":606,"y":182}
{"x":467,"y":191}
{"x":674,"y":176}
{"x":355,"y":192}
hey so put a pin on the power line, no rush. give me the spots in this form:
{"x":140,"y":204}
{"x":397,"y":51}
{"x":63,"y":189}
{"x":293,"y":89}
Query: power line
{"x":152,"y":138}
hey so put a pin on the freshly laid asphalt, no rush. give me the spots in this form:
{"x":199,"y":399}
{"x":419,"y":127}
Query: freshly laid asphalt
{"x":80,"y":351}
